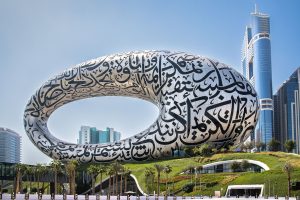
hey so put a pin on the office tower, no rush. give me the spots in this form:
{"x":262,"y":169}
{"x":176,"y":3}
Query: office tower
{"x":117,"y":136}
{"x":109,"y":135}
{"x":104,"y":137}
{"x":10,"y":146}
{"x":256,"y":66}
{"x":90,"y":135}
{"x":94,"y":135}
{"x":84,"y":135}
{"x":287,"y":111}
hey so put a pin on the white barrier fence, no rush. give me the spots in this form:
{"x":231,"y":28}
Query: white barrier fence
{"x":98,"y":197}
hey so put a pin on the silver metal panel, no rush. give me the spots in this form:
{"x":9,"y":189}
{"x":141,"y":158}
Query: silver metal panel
{"x":200,"y":100}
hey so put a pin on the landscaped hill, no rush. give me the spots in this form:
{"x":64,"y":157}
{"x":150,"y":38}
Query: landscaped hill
{"x":275,"y":179}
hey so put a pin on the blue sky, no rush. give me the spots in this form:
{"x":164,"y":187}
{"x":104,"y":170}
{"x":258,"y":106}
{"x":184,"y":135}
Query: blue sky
{"x":39,"y":39}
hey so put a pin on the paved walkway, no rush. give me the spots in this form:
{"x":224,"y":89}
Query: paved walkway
{"x":93,"y":197}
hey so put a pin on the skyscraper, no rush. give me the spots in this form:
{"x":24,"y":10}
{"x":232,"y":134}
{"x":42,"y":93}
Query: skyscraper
{"x":90,"y":135}
{"x":94,"y":135}
{"x":287,"y":111}
{"x":109,"y":135}
{"x":84,"y":135}
{"x":10,"y":142}
{"x":256,"y":65}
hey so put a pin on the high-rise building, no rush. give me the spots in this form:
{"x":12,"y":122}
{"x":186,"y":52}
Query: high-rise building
{"x":104,"y":136}
{"x":10,"y":146}
{"x":84,"y":135}
{"x":109,"y":135}
{"x":256,"y":66}
{"x":94,"y":135}
{"x":90,"y":135}
{"x":287,"y":111}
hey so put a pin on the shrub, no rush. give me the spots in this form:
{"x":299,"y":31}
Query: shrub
{"x":290,"y":145}
{"x":245,"y":165}
{"x":211,"y":184}
{"x":274,"y":145}
{"x":33,"y":190}
{"x":188,"y":187}
{"x":235,"y":166}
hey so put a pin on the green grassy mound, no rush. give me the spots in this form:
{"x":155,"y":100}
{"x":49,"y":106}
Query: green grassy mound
{"x":275,"y":180}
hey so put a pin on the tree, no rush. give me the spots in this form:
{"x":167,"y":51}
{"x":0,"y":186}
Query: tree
{"x":127,"y":173}
{"x":110,"y":172}
{"x":149,"y":175}
{"x":39,"y":171}
{"x":189,"y":151}
{"x":167,"y":169}
{"x":117,"y":167}
{"x":20,"y":171}
{"x":30,"y":173}
{"x":44,"y":170}
{"x":288,"y":169}
{"x":242,"y":147}
{"x":198,"y":169}
{"x":205,"y":150}
{"x":248,"y":146}
{"x":93,"y":170}
{"x":102,"y":170}
{"x":224,"y":150}
{"x":235,"y":166}
{"x":260,"y":146}
{"x":273,"y":145}
{"x":70,"y":168}
{"x":290,"y":145}
{"x":194,"y":151}
{"x":245,"y":165}
{"x":191,"y":169}
{"x":159,"y":169}
{"x":121,"y":172}
{"x":56,"y":167}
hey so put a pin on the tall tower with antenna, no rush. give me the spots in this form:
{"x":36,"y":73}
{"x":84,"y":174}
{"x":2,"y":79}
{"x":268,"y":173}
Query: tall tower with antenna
{"x":256,"y":66}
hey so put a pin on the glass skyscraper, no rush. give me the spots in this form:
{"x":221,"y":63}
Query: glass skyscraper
{"x":10,"y":142}
{"x":256,"y":64}
{"x":287,"y":111}
{"x":90,"y":135}
{"x":84,"y":135}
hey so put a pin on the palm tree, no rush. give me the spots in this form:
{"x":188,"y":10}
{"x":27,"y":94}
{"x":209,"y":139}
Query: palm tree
{"x":149,"y":174}
{"x":56,"y":167}
{"x":191,"y":169}
{"x":102,"y":170}
{"x":273,"y":145}
{"x":30,"y":173}
{"x":110,"y":172}
{"x":44,"y":170}
{"x":259,"y":146}
{"x":38,"y":173}
{"x":235,"y":166}
{"x":93,"y":170}
{"x":70,"y":168}
{"x":198,"y":169}
{"x":167,"y":169}
{"x":245,"y":165}
{"x":20,"y":170}
{"x":122,"y":171}
{"x":288,"y":169}
{"x":158,"y":168}
{"x":116,"y":168}
{"x":127,"y":173}
{"x":290,"y":145}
